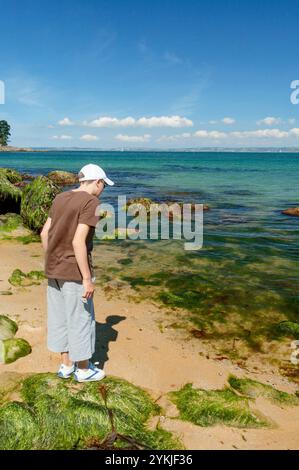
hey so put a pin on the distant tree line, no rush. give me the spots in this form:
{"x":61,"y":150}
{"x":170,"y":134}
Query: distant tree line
{"x":4,"y":133}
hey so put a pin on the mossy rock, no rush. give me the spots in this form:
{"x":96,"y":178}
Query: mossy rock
{"x":8,"y":327}
{"x":253,"y":389}
{"x":12,"y":175}
{"x":18,"y":278}
{"x":37,"y":198}
{"x":58,"y":414}
{"x":63,"y":177}
{"x":9,"y":222}
{"x":12,"y":349}
{"x":10,"y":195}
{"x":211,"y":407}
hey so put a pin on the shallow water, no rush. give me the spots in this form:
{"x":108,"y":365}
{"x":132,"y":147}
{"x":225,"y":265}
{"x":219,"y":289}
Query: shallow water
{"x":245,"y":279}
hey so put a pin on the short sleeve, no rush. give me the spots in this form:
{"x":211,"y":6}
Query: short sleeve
{"x":51,"y":210}
{"x":88,"y":213}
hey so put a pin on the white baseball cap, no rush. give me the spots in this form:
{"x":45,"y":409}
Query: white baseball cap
{"x":93,"y":172}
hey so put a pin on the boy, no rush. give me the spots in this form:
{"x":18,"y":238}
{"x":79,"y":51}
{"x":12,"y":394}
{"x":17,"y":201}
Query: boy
{"x":67,"y":241}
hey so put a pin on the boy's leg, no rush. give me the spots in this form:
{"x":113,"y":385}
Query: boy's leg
{"x":57,"y":334}
{"x":81,"y":323}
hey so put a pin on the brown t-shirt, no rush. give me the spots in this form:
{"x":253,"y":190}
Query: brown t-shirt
{"x":69,"y":209}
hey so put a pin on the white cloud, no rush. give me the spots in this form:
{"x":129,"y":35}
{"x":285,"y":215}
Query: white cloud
{"x":233,"y":135}
{"x":89,"y":137}
{"x":291,"y":121}
{"x":202,"y":133}
{"x":174,"y":138}
{"x":294,"y":131}
{"x":50,"y":126}
{"x":228,"y":120}
{"x":66,"y":122}
{"x":133,"y":138}
{"x":107,"y":121}
{"x":165,"y":121}
{"x":160,"y":121}
{"x":62,"y":137}
{"x":269,"y":121}
{"x":276,"y":133}
{"x":213,"y":122}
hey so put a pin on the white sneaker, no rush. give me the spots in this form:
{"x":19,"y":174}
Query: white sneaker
{"x":65,"y":372}
{"x":89,"y":375}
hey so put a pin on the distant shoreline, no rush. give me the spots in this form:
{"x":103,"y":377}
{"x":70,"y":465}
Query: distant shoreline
{"x":11,"y":149}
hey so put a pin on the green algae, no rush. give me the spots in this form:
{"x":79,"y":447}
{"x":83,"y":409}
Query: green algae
{"x":253,"y":389}
{"x":12,"y":349}
{"x":10,"y":195}
{"x":18,"y":278}
{"x":26,"y":239}
{"x":212,"y":407}
{"x":57,"y":414}
{"x":288,"y":328}
{"x":37,"y":198}
{"x":12,"y":175}
{"x":8,"y":327}
{"x":10,"y":222}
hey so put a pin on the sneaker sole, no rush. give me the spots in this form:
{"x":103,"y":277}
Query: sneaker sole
{"x":89,"y":380}
{"x":61,"y":376}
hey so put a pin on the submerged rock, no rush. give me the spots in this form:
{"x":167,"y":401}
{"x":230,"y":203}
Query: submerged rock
{"x":8,"y":327}
{"x":148,"y":204}
{"x":37,"y":198}
{"x":63,"y":177}
{"x":12,"y":349}
{"x":293,"y":211}
{"x":10,"y":195}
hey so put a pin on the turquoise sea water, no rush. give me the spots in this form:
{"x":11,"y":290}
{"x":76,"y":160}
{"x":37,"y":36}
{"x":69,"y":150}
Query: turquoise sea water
{"x":248,"y":267}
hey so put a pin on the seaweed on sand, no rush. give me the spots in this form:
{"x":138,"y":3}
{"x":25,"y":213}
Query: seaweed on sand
{"x":19,"y":278}
{"x":253,"y":389}
{"x":211,"y":407}
{"x":57,"y":414}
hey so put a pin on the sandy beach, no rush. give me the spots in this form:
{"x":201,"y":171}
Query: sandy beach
{"x":131,"y":345}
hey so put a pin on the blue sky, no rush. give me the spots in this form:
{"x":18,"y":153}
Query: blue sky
{"x":161,"y":74}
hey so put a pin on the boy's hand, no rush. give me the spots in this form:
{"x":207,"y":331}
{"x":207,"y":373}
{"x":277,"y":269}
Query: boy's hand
{"x":89,"y":288}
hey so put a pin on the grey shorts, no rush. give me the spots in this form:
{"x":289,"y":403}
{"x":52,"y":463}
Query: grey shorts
{"x":71,"y":322}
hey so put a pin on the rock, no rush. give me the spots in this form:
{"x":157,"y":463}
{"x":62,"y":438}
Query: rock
{"x":140,"y":201}
{"x":293,"y":211}
{"x":149,"y":203}
{"x":8,"y":328}
{"x":120,"y":233}
{"x":10,"y":195}
{"x":12,"y":175}
{"x":12,"y":349}
{"x":63,"y":177}
{"x":36,"y":201}
{"x":18,"y":278}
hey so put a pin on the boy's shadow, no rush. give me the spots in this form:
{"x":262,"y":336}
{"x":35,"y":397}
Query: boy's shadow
{"x":104,"y":334}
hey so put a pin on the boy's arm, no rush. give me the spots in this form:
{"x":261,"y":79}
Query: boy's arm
{"x":44,"y":233}
{"x":80,"y":249}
